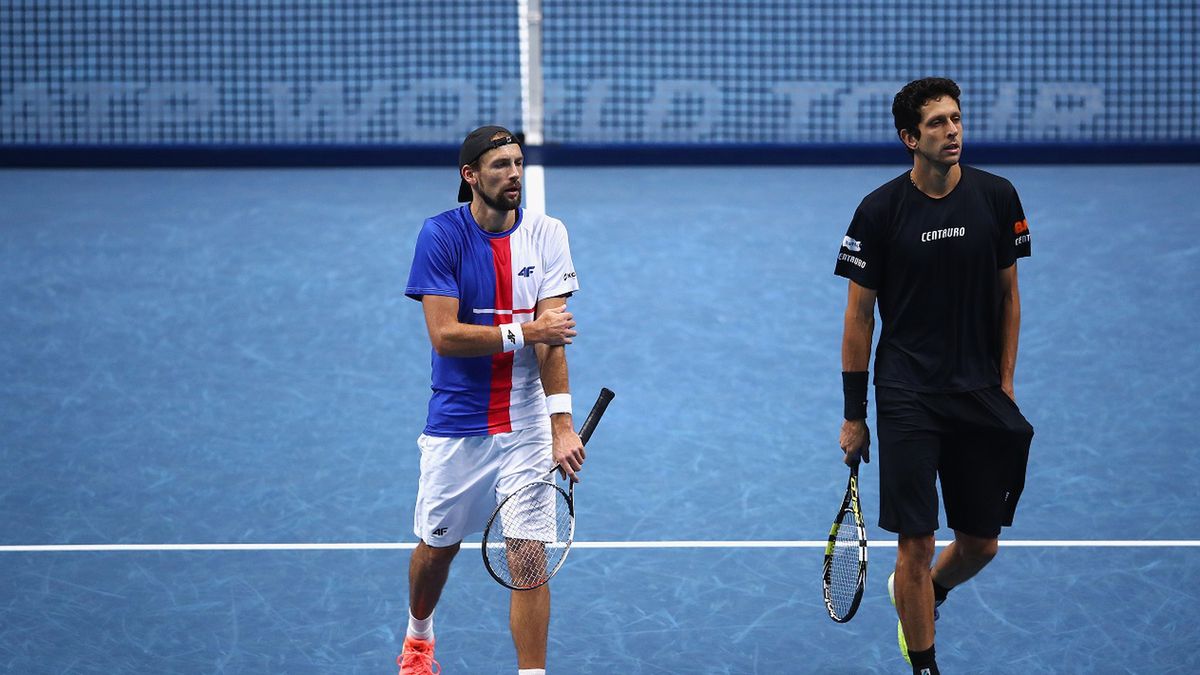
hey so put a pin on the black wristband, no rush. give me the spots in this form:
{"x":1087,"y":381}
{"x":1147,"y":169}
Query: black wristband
{"x":854,"y":393}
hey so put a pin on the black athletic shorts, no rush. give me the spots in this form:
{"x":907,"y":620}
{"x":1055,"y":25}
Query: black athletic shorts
{"x":976,"y":442}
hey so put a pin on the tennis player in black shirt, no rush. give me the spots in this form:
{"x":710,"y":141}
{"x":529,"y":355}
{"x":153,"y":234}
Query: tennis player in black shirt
{"x":937,"y":248}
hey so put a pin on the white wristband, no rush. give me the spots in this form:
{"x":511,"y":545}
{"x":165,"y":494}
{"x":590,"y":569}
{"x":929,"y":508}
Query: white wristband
{"x":558,"y":403}
{"x":511,"y":336}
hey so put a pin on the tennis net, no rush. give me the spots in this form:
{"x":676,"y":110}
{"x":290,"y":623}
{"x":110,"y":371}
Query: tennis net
{"x":616,"y":72}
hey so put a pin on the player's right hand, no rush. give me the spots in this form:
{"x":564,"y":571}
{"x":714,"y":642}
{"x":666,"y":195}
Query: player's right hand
{"x":855,"y":441}
{"x":555,"y":326}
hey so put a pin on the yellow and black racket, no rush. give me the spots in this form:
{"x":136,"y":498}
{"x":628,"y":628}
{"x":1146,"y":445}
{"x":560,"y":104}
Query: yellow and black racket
{"x":845,"y":570}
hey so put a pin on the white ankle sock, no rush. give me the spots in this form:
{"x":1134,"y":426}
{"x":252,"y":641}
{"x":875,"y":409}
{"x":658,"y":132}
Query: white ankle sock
{"x":531,"y":671}
{"x":420,"y":628}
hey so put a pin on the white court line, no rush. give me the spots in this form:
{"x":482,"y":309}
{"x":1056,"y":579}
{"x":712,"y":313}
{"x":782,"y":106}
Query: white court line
{"x":366,"y":546}
{"x":535,"y":188}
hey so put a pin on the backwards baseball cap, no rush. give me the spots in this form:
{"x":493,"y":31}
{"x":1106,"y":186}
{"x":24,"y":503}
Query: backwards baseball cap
{"x":476,"y":144}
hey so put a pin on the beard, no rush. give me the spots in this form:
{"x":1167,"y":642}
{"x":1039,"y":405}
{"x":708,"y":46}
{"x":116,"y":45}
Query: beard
{"x":500,"y":201}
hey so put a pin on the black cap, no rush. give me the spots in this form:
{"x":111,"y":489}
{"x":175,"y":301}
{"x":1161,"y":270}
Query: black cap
{"x":477,"y":143}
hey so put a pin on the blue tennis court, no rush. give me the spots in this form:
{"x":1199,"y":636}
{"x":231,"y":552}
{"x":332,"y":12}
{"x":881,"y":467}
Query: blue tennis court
{"x":225,"y":357}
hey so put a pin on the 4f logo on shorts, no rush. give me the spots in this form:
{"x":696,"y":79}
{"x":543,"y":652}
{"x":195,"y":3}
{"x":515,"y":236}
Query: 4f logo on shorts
{"x":439,"y":532}
{"x":526,"y":271}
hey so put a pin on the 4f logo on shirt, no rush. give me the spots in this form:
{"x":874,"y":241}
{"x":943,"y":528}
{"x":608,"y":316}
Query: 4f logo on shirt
{"x":851,"y":244}
{"x":526,"y":271}
{"x":511,"y":336}
{"x":439,"y":532}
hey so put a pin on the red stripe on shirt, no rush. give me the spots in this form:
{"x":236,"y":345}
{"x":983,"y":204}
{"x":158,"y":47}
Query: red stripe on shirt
{"x":499,"y":420}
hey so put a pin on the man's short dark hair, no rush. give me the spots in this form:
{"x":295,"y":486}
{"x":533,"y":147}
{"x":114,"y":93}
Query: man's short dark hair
{"x":906,"y":107}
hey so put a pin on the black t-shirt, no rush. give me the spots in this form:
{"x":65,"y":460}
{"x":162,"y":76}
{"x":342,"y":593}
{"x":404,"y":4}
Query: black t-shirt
{"x":935,"y":265}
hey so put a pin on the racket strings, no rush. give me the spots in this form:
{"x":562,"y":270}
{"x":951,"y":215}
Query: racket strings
{"x":530,"y":535}
{"x":845,"y":565}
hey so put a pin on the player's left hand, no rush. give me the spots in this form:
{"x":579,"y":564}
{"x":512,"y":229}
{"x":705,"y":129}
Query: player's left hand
{"x":568,"y":450}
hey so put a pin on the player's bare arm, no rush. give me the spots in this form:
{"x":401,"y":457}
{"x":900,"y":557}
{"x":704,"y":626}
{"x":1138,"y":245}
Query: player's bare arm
{"x":552,"y":362}
{"x":1010,"y":328}
{"x":451,"y":337}
{"x":857,"y":330}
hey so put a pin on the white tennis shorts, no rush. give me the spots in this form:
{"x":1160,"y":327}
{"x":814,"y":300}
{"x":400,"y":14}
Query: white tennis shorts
{"x":462,"y":479}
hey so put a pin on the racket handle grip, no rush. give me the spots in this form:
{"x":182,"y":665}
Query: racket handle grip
{"x":593,"y":418}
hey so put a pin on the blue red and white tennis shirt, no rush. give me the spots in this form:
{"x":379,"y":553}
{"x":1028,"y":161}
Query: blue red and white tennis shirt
{"x":498,"y":278}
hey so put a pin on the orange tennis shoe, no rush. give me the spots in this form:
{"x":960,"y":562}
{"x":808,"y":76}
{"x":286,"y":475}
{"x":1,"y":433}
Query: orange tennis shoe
{"x":417,"y":658}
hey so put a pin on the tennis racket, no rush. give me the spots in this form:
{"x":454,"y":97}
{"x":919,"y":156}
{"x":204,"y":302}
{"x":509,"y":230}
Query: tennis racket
{"x":527,"y":539}
{"x":845,"y":570}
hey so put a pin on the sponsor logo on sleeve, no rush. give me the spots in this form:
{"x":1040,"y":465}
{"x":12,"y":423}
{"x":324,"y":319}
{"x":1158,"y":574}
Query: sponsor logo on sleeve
{"x":851,"y":244}
{"x":1021,"y":229}
{"x":853,"y":260}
